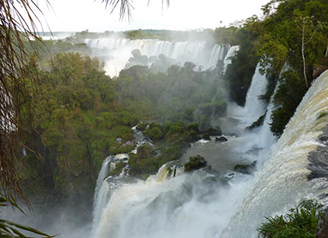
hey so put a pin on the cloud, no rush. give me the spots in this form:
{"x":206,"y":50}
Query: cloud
{"x":78,"y":15}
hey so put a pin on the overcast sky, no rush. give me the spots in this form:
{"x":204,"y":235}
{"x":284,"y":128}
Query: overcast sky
{"x":78,"y":15}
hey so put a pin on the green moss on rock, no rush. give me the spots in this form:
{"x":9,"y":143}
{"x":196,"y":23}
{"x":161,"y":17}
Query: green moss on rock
{"x":195,"y":163}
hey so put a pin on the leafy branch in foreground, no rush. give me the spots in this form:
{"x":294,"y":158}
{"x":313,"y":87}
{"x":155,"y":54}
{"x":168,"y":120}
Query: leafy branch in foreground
{"x":125,"y":6}
{"x":301,"y":222}
{"x":10,"y":229}
{"x":15,"y":31}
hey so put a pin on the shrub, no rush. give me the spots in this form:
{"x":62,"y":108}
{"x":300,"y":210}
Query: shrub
{"x":196,"y":162}
{"x":142,"y":126}
{"x":193,"y":126}
{"x":300,"y":222}
{"x":154,"y":133}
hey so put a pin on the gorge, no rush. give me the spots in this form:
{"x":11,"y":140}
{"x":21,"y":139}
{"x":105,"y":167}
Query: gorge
{"x":216,"y":201}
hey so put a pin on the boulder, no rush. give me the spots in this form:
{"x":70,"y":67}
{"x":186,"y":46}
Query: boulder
{"x":195,"y":163}
{"x":214,"y":132}
{"x":257,"y":123}
{"x":323,"y":227}
{"x":136,"y":53}
{"x":206,"y":136}
{"x":245,"y":168}
{"x":221,"y":139}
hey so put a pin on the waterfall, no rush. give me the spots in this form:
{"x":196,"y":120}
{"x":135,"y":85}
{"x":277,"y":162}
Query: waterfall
{"x":268,"y":139}
{"x":116,"y":52}
{"x":284,"y":179}
{"x":231,"y":52}
{"x":238,"y":118}
{"x":254,"y":107}
{"x":101,"y":176}
{"x":195,"y":205}
{"x":103,"y":188}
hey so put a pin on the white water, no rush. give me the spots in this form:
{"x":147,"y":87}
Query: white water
{"x":283,"y":182}
{"x":211,"y":204}
{"x":117,"y":51}
{"x":254,"y":107}
{"x":189,"y":205}
{"x":231,"y":52}
{"x":238,"y":118}
{"x":103,"y":188}
{"x":185,"y":206}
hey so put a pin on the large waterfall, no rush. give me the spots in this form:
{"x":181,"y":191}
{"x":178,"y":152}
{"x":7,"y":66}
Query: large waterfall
{"x":201,"y":204}
{"x":221,"y":204}
{"x":284,"y":179}
{"x":116,"y":52}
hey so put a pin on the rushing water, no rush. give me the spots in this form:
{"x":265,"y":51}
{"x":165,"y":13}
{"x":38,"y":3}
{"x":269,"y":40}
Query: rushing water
{"x":283,"y":181}
{"x":222,"y":204}
{"x":201,"y":204}
{"x":216,"y":202}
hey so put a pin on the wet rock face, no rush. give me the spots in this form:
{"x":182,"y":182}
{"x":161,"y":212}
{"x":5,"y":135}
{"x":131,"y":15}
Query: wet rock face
{"x":245,"y":168}
{"x":206,"y":136}
{"x":319,"y":159}
{"x":323,"y":227}
{"x":221,"y":139}
{"x":195,"y":163}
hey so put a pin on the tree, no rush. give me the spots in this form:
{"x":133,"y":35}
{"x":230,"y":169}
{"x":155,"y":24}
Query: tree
{"x":294,"y":33}
{"x":17,"y":27}
{"x":309,"y":27}
{"x":14,"y":32}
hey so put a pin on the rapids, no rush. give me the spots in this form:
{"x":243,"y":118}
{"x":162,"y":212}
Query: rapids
{"x":224,"y":204}
{"x":283,"y":181}
{"x":201,"y":204}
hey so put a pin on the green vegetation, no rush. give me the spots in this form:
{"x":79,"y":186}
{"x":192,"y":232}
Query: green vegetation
{"x":80,"y":116}
{"x":293,"y":37}
{"x":241,"y":70}
{"x":76,"y":124}
{"x":174,"y":139}
{"x":14,"y":230}
{"x":257,"y":123}
{"x":245,"y":168}
{"x":300,"y":222}
{"x":195,"y":163}
{"x":181,"y":94}
{"x":295,"y":34}
{"x":221,"y":35}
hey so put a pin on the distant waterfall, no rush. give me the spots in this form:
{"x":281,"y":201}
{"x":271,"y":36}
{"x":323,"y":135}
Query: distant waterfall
{"x":117,"y":51}
{"x":284,"y":179}
{"x":231,"y":52}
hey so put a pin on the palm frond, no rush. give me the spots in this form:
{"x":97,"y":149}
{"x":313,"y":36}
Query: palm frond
{"x":18,"y":20}
{"x":125,"y":7}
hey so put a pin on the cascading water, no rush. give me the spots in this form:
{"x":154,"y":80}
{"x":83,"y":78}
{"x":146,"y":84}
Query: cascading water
{"x":117,"y":51}
{"x":231,"y":52}
{"x":238,"y":118}
{"x":103,"y":188}
{"x":187,"y":205}
{"x":284,"y":179}
{"x":254,"y":107}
